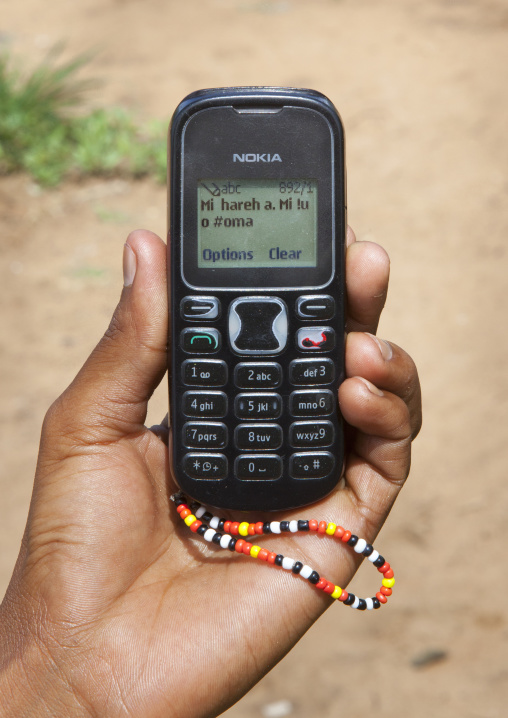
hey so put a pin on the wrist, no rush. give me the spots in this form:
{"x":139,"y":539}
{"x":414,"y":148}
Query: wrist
{"x":31,"y":683}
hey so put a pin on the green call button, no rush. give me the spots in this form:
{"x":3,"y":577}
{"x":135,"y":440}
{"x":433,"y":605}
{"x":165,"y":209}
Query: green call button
{"x":199,"y":340}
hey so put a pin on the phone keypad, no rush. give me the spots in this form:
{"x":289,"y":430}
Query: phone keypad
{"x":264,"y":406}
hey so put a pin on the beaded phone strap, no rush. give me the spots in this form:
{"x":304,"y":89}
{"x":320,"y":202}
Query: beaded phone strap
{"x":222,"y":532}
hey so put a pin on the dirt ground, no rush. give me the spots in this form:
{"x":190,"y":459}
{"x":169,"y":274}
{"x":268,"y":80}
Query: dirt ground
{"x":421,"y":88}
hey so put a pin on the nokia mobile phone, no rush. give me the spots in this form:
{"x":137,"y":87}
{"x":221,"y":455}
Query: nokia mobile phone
{"x":257,"y":227}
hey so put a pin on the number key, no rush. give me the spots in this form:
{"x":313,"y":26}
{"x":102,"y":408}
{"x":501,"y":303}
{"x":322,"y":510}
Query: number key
{"x":258,"y":406}
{"x":311,"y":403}
{"x":204,"y":372}
{"x":212,"y":404}
{"x":258,"y":375}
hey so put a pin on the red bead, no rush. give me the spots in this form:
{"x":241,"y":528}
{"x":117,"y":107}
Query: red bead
{"x":181,"y":507}
{"x":343,"y":596}
{"x":263,"y":554}
{"x":246,"y":548}
{"x":381,"y":597}
{"x":252,"y":529}
{"x":329,"y":588}
{"x":347,"y":535}
{"x":384,"y":567}
{"x":239,"y":545}
{"x":258,"y":527}
{"x":271,"y":557}
{"x":322,"y":527}
{"x":313,"y":525}
{"x":227,"y":526}
{"x":195,"y":525}
{"x":321,"y":583}
{"x":339,"y":532}
{"x":389,"y":573}
{"x":233,"y":529}
{"x":185,"y":513}
{"x":386,"y":591}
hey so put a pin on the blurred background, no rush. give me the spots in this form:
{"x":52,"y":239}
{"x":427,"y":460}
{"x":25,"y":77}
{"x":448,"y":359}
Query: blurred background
{"x":421,"y":88}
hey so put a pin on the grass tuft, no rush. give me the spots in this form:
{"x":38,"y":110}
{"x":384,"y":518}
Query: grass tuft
{"x":40,"y":136}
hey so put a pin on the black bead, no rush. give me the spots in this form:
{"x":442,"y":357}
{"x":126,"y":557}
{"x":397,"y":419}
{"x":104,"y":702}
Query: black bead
{"x":202,"y":530}
{"x":266,"y":528}
{"x":303,"y":525}
{"x":314,"y":577}
{"x":278,"y":559}
{"x":232,"y":544}
{"x":362,"y":606}
{"x":216,"y":538}
{"x":284,"y":525}
{"x":353,"y":540}
{"x":350,"y":599}
{"x":221,"y":524}
{"x":194,"y":506}
{"x":376,"y":602}
{"x":180,"y":499}
{"x":207,"y":516}
{"x":297,"y":567}
{"x":367,"y":550}
{"x":379,"y":562}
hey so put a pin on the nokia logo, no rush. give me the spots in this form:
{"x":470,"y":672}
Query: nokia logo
{"x":256,"y":158}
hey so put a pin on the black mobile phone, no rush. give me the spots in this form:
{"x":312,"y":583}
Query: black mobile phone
{"x":257,"y":224}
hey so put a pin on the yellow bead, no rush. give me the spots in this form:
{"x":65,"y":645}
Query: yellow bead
{"x":254,"y":551}
{"x":388,"y":582}
{"x":330,"y":529}
{"x":190,"y":519}
{"x":243,"y":529}
{"x":337,"y":593}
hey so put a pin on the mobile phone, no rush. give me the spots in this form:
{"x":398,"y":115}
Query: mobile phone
{"x":257,"y":215}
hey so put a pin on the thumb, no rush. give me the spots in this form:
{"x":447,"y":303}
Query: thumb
{"x":108,"y":398}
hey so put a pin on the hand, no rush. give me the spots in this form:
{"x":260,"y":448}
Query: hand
{"x":115,"y":608}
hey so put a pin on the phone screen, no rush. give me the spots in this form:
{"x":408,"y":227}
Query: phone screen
{"x":244,"y":223}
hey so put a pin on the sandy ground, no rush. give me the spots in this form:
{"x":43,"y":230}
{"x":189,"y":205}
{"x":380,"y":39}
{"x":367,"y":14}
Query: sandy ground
{"x":422,"y":91}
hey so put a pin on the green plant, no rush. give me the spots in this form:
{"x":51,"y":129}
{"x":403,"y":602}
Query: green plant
{"x":39,"y":135}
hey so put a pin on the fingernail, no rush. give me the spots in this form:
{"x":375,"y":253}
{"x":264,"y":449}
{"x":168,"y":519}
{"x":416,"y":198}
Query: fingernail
{"x":129,"y":266}
{"x":384,"y":347}
{"x":373,"y":389}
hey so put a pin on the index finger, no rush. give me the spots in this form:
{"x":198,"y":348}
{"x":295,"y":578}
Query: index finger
{"x":367,"y":274}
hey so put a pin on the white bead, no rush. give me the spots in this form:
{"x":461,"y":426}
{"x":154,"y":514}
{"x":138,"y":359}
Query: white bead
{"x":356,"y":602}
{"x":374,"y":556}
{"x":370,"y":604}
{"x":306,"y":571}
{"x":288,"y":563}
{"x":293,"y":526}
{"x":225,"y":539}
{"x":360,"y":546}
{"x":199,"y":513}
{"x":209,"y":534}
{"x":275,"y":527}
{"x":214,"y":523}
